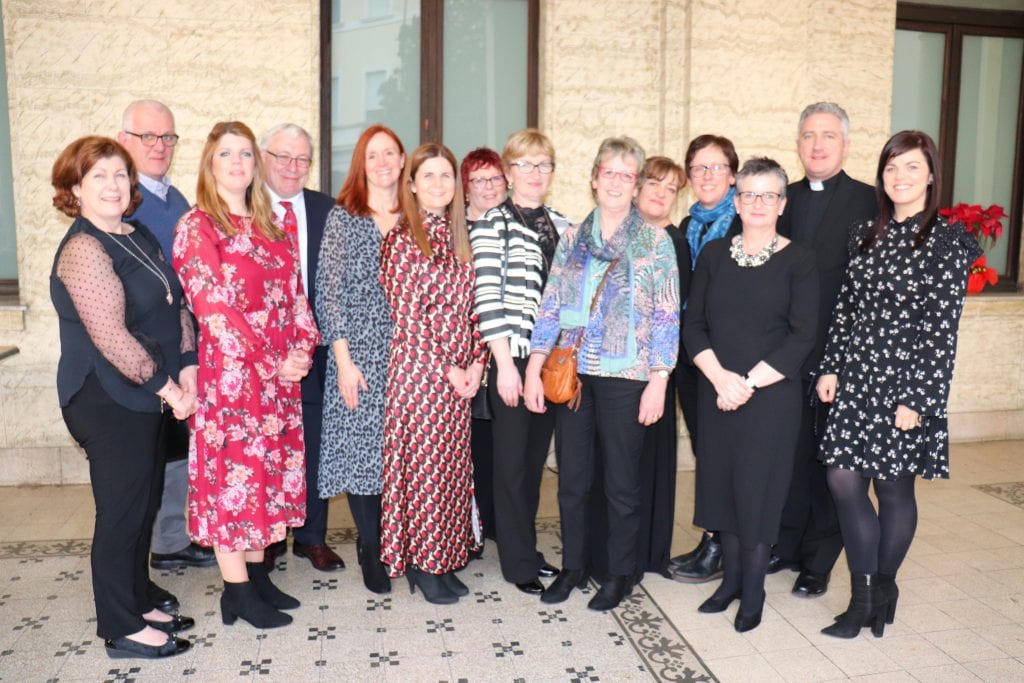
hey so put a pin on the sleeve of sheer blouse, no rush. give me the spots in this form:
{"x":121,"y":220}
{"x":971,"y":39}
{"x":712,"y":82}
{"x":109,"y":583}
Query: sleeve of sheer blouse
{"x":97,"y":293}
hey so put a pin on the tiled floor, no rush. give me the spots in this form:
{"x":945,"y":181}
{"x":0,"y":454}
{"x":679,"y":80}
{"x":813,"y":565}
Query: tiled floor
{"x":961,"y":611}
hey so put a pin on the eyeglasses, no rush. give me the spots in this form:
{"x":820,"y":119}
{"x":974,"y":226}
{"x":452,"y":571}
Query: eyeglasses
{"x":544,"y":167}
{"x":767,"y":198}
{"x":149,"y":139}
{"x":624,"y":176}
{"x":285,"y":160}
{"x":479,"y":183}
{"x":714,"y":169}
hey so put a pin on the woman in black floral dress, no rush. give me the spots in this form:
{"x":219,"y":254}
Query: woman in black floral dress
{"x":887,"y":370}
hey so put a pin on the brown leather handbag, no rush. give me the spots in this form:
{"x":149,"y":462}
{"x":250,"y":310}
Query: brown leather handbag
{"x":558,"y":375}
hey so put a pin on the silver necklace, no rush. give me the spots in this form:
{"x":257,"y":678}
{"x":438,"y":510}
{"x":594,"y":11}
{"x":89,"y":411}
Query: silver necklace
{"x":147,"y":264}
{"x":744,"y":260}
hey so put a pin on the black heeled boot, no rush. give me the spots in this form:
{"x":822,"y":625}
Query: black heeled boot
{"x":867,"y":607}
{"x":271,"y":594}
{"x":375,"y":576}
{"x":433,"y":588}
{"x":242,"y":600}
{"x":562,"y":586}
{"x":614,"y":590}
{"x":891,"y":592}
{"x":706,"y":566}
{"x":452,"y":583}
{"x":686,"y":559}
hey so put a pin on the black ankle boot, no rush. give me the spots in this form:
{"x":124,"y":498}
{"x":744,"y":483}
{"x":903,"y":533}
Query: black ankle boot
{"x":867,"y":608}
{"x":686,"y":559}
{"x":891,"y":592}
{"x":375,"y":576}
{"x":242,"y":600}
{"x":611,"y":594}
{"x":433,"y":588}
{"x":562,"y":586}
{"x":707,"y":566}
{"x":452,"y":583}
{"x":271,"y":594}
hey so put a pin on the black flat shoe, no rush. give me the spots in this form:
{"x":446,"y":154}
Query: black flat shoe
{"x":452,"y":583}
{"x":191,"y":555}
{"x":683,"y":561}
{"x":177,"y":623}
{"x":715,"y":605}
{"x":545,"y":570}
{"x":706,"y":566}
{"x":776,"y":564}
{"x":160,"y":598}
{"x":611,"y":594}
{"x":567,"y":580}
{"x":124,"y":648}
{"x":810,"y":584}
{"x":534,"y":587}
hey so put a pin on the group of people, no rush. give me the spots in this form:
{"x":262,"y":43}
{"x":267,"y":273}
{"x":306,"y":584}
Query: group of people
{"x":391,"y":345}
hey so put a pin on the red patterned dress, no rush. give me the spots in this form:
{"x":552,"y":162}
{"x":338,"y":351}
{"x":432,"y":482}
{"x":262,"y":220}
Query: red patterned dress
{"x":427,"y":502}
{"x":246,"y":464}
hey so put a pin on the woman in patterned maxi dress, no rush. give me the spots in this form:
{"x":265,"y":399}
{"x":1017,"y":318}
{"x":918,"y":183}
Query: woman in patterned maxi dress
{"x":256,"y":336}
{"x":434,"y":368}
{"x":356,"y":321}
{"x":887,"y":369}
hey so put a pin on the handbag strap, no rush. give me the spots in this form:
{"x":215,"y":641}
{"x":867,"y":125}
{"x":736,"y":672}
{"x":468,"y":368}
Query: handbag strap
{"x":593,"y":302}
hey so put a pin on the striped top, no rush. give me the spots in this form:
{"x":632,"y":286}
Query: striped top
{"x":510,"y":274}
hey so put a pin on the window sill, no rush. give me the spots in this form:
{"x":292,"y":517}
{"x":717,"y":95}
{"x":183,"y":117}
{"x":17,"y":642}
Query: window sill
{"x":12,"y":316}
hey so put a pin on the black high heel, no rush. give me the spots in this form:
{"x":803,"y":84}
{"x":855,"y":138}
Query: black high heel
{"x":747,"y":622}
{"x":375,"y":576}
{"x":452,"y":583}
{"x":243,"y":600}
{"x":433,"y":588}
{"x":270,"y":593}
{"x":868,"y":607}
{"x":715,"y":605}
{"x":563,"y":584}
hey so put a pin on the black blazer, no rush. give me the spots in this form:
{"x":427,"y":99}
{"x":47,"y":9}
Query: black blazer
{"x":318,"y":205}
{"x":852,"y":203}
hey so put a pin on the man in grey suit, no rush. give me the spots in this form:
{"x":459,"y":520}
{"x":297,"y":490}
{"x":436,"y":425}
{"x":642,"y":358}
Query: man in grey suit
{"x":819,"y":212}
{"x":287,"y":151}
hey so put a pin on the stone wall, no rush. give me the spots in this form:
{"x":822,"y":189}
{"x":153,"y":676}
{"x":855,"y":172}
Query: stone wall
{"x":662,"y":71}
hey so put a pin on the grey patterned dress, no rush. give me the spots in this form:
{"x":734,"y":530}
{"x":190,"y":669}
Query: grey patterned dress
{"x":893,"y":342}
{"x":350,"y":305}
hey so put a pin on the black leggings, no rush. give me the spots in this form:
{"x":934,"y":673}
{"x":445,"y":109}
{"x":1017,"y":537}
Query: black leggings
{"x":875,"y":542}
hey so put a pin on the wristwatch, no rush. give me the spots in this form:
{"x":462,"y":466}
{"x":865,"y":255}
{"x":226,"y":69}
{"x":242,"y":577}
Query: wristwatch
{"x":749,"y":382}
{"x":662,"y":374}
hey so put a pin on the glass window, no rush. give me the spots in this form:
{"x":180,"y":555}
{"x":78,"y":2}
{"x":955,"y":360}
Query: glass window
{"x":917,"y":81}
{"x":8,"y":254}
{"x":485,"y":72}
{"x":385,"y":56}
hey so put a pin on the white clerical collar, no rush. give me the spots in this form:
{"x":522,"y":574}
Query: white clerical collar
{"x":158,"y":187}
{"x":816,"y":185}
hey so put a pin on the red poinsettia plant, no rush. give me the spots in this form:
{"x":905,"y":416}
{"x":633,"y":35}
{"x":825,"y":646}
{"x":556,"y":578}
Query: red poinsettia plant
{"x":986,"y":225}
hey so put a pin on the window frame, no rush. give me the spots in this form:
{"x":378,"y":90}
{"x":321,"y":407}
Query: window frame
{"x":431,"y":75}
{"x":955,"y":23}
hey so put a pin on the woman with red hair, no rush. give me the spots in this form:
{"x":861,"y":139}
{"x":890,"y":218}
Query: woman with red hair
{"x":356,"y":321}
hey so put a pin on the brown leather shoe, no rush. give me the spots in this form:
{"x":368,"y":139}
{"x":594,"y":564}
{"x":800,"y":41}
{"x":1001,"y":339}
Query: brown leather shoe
{"x":320,"y":555}
{"x":272,"y":552}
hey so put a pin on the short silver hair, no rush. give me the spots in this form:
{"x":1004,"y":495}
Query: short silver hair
{"x":763,"y":166}
{"x":621,"y":146}
{"x":293,"y":130}
{"x":825,"y":108}
{"x":129,"y":111}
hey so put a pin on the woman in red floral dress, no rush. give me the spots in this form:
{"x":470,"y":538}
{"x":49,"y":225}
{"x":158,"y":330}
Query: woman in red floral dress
{"x":434,"y":368}
{"x":256,"y":334}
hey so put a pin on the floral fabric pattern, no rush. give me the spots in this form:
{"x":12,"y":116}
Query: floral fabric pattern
{"x":246,"y":451}
{"x":893,"y":342}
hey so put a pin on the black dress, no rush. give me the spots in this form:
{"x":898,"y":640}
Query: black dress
{"x":892,"y":342}
{"x":746,"y":315}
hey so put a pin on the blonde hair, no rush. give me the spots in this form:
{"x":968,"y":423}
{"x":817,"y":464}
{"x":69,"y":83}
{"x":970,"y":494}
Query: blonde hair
{"x":456,"y":208}
{"x":257,"y":201}
{"x":524,"y":142}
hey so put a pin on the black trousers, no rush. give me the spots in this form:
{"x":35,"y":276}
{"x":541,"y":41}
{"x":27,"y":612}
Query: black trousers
{"x":126,"y":463}
{"x":809,"y":531}
{"x":314,"y":531}
{"x":604,"y":428}
{"x":520,"y":446}
{"x":482,"y":453}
